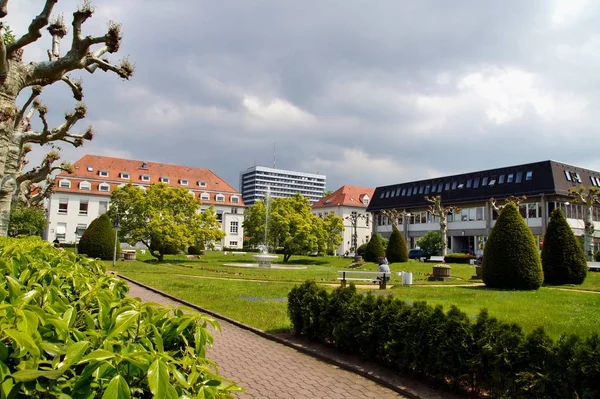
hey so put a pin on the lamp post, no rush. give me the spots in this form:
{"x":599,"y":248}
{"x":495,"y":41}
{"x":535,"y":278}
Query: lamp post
{"x":353,"y":218}
{"x":116,"y":226}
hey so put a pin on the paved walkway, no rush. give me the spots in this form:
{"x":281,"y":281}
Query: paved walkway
{"x":270,"y":370}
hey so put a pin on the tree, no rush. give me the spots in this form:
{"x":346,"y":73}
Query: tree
{"x":26,"y":220}
{"x":510,"y":258}
{"x":396,"y":250}
{"x":441,"y":212}
{"x":98,"y":240}
{"x":374,"y":249}
{"x":17,"y":75}
{"x":333,"y":227}
{"x":292,"y":228}
{"x":163,"y":218}
{"x":326,"y":193}
{"x":431,"y":243}
{"x":563,"y":259}
{"x":587,"y":198}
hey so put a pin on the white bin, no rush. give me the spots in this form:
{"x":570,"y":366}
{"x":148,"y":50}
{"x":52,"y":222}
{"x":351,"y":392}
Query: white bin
{"x":407,"y":278}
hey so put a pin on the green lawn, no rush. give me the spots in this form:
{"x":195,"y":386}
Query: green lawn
{"x":228,"y":291}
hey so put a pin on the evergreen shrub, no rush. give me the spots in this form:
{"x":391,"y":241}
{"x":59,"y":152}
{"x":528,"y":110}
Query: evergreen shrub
{"x":458,"y":258}
{"x":396,"y":250}
{"x":511,"y":259}
{"x":361,"y":249}
{"x":98,"y":240}
{"x":374,"y":249}
{"x":563,"y":258}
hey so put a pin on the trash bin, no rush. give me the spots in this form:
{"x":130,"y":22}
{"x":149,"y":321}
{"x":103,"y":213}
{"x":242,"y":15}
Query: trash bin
{"x":407,"y":278}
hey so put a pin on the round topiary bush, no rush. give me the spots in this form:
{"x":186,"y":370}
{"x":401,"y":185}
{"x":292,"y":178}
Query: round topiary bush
{"x":563,"y":259}
{"x":510,"y":258}
{"x":98,"y":240}
{"x":374,"y":249}
{"x":396,"y":250}
{"x":361,"y":249}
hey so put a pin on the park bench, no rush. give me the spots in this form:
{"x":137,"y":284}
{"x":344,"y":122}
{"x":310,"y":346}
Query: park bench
{"x":594,"y":266}
{"x":238,"y":253}
{"x":380,"y":278}
{"x":434,"y":259}
{"x":128,"y":254}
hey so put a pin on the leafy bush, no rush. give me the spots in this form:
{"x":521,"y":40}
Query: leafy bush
{"x":396,"y":250}
{"x":30,"y":221}
{"x":374,"y":249}
{"x":484,"y":355}
{"x":195,"y":249}
{"x":597,"y":256}
{"x":69,"y":330}
{"x":563,"y":259}
{"x":431,"y":243}
{"x":98,"y":240}
{"x":361,"y":249}
{"x":458,"y":258}
{"x":510,"y":258}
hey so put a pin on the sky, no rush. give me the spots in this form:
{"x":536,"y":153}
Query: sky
{"x":369,"y":93}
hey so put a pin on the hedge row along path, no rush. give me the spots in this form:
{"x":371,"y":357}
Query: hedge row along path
{"x":267,"y":369}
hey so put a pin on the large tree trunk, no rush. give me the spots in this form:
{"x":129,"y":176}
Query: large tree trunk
{"x":588,"y":245}
{"x":444,"y":232}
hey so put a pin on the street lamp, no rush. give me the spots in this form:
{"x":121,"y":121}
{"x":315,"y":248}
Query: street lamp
{"x":116,"y":225}
{"x":353,"y":218}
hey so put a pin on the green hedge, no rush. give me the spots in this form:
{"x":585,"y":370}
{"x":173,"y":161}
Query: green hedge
{"x":69,"y":330}
{"x":458,"y":258}
{"x":479,"y":356}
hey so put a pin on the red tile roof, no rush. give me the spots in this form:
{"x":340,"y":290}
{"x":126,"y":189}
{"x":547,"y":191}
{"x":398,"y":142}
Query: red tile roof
{"x":89,"y":168}
{"x":346,"y":196}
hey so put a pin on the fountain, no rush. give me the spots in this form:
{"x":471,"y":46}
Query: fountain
{"x":263,"y":258}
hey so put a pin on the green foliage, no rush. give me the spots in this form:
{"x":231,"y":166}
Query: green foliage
{"x":98,"y":240}
{"x":563,"y":258}
{"x":30,"y":221}
{"x":69,"y":330}
{"x":361,"y":249}
{"x":431,"y":243}
{"x":396,"y":250}
{"x":510,"y":258}
{"x":8,"y":36}
{"x":480,"y":356}
{"x":458,"y":258}
{"x":597,"y":256}
{"x":374,"y":249}
{"x":333,"y":227}
{"x":195,"y":250}
{"x":163,"y":218}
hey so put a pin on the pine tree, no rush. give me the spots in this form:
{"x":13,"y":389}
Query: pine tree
{"x":98,"y":240}
{"x":396,"y":250}
{"x":511,"y":259}
{"x":563,"y":259}
{"x":374,"y":249}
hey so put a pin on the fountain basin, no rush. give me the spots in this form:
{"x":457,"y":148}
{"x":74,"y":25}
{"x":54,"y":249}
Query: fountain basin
{"x":264,"y":260}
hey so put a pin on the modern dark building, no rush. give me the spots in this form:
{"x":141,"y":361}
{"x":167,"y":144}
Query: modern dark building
{"x":545,"y":184}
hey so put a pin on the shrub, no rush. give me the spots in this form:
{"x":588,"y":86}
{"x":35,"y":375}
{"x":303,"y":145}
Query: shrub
{"x":396,"y":251}
{"x":194,"y":250}
{"x":510,"y":258}
{"x":597,"y":256}
{"x":431,"y":243}
{"x":98,"y":240}
{"x":458,"y":258}
{"x":30,"y":221}
{"x":374,"y":249}
{"x":361,"y":250}
{"x":563,"y":259}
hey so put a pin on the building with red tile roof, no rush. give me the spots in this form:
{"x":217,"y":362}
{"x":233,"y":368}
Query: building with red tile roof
{"x":350,"y":203}
{"x":82,"y":196}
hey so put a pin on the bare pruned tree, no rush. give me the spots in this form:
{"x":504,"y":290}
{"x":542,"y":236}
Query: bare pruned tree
{"x":587,"y":197}
{"x":394,"y":215}
{"x":512,"y":199}
{"x":438,"y":210}
{"x":16,"y":134}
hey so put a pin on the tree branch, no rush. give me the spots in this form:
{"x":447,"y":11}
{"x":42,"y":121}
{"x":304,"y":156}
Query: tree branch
{"x":62,"y":132}
{"x":41,"y":172}
{"x":41,"y":193}
{"x":124,"y":70}
{"x":3,"y":8}
{"x":35,"y":92}
{"x":34,"y":30}
{"x":76,"y":87}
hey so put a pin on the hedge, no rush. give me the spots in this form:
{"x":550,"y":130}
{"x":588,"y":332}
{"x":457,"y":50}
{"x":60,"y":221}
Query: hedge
{"x":458,"y":258}
{"x":69,"y":330}
{"x":480,"y":356}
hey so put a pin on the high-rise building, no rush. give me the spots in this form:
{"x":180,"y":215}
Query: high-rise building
{"x":255,"y":181}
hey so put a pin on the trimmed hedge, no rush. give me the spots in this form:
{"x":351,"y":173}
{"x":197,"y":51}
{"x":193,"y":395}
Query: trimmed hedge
{"x":458,"y":258}
{"x":374,"y":249}
{"x":479,"y":356}
{"x":396,"y":250}
{"x":510,"y":258}
{"x":98,"y":240}
{"x":563,"y":258}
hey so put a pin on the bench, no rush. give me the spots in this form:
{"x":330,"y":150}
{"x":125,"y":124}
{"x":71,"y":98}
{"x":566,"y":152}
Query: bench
{"x":380,"y":278}
{"x":594,"y":266}
{"x":434,"y":259}
{"x":238,"y":253}
{"x":128,"y":254}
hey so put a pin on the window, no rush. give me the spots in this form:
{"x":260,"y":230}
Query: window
{"x":235,"y":199}
{"x":85,"y":185}
{"x":102,"y":207}
{"x":103,"y":187}
{"x":409,"y":191}
{"x":421,"y":189}
{"x":145,"y":177}
{"x":64,"y":184}
{"x":233,"y":243}
{"x":83,"y":207}
{"x":447,"y":187}
{"x":492,"y":182}
{"x":464,"y":215}
{"x":484,"y":181}
{"x":568,"y":175}
{"x":387,"y":194}
{"x":501,"y":179}
{"x":204,"y":196}
{"x":403,"y":192}
{"x":469,"y":183}
{"x":461,"y":186}
{"x":234,"y":210}
{"x":164,"y":180}
{"x":103,"y":173}
{"x":476,"y":183}
{"x":510,"y":178}
{"x":90,"y":169}
{"x":201,"y":183}
{"x":519,"y":178}
{"x":233,"y":227}
{"x":528,"y":175}
{"x":427,"y":189}
{"x":61,"y":231}
{"x":79,"y":231}
{"x":479,"y":213}
{"x":472,"y":214}
{"x":434,"y":188}
{"x":183,"y":182}
{"x":532,"y":211}
{"x":220,"y":198}
{"x":63,"y":204}
{"x":124,"y":175}
{"x":220,"y":216}
{"x":440,"y":187}
{"x":453,"y":185}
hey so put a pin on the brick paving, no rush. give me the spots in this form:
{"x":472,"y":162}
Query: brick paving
{"x":270,"y":370}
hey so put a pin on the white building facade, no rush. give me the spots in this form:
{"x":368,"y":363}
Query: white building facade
{"x":350,"y":203}
{"x":255,"y":181}
{"x":82,"y":196}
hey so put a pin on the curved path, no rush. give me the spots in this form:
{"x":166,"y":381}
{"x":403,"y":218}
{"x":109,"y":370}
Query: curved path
{"x":267,"y":369}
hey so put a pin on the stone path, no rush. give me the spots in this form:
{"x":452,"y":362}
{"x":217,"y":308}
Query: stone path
{"x":270,"y":370}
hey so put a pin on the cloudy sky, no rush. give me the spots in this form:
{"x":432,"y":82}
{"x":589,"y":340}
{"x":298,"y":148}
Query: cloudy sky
{"x":367,"y":92}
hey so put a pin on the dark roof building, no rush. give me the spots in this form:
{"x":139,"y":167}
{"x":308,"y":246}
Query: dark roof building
{"x":545,"y":184}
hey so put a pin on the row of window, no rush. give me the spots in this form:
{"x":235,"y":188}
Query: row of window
{"x":476,"y":182}
{"x":162,"y":179}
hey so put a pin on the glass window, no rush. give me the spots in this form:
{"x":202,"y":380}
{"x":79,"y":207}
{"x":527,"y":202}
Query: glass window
{"x":501,"y":179}
{"x":64,"y":184}
{"x":434,"y":188}
{"x":523,"y":210}
{"x":387,"y":194}
{"x":427,"y":189}
{"x":233,"y":243}
{"x":83,"y":207}
{"x":103,"y":187}
{"x":464,"y":215}
{"x":204,"y":196}
{"x":102,"y":207}
{"x":492,"y":182}
{"x":510,"y":178}
{"x":421,"y":188}
{"x":61,"y":231}
{"x":476,"y":183}
{"x":440,"y":187}
{"x":183,"y":182}
{"x":63,"y":205}
{"x":403,"y":192}
{"x":484,"y":181}
{"x":85,"y":185}
{"x":519,"y":177}
{"x":79,"y":231}
{"x":447,"y":186}
{"x":220,"y":216}
{"x":423,"y":217}
{"x":450,"y":217}
{"x":233,"y":227}
{"x":469,"y":183}
{"x":124,"y":175}
{"x":479,"y":213}
{"x":164,"y":179}
{"x":220,"y":198}
{"x":532,"y":211}
{"x":409,"y":191}
{"x":529,"y":175}
{"x":472,"y":214}
{"x":235,"y":199}
{"x":145,"y":178}
{"x":454,"y":185}
{"x":103,"y":173}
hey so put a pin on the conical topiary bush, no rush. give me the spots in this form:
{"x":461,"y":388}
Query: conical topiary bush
{"x":563,"y":259}
{"x":511,"y":259}
{"x":396,"y":250}
{"x":374,"y":249}
{"x":98,"y":240}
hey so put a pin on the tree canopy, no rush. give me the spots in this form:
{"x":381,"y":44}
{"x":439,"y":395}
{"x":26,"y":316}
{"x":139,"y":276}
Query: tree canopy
{"x":431,"y":243}
{"x":163,"y":218}
{"x":292,"y":228}
{"x":24,"y":220}
{"x":333,"y":227}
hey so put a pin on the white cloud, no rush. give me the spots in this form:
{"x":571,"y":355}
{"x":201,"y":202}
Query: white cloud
{"x":567,"y":12}
{"x":277,"y":111}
